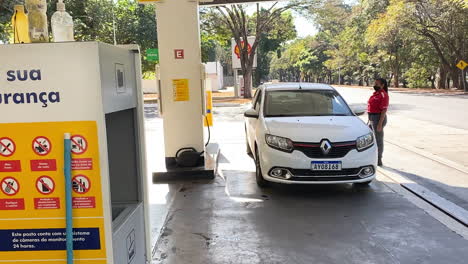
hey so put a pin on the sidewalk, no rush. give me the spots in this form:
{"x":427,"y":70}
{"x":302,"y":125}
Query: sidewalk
{"x":443,"y":141}
{"x":412,"y":90}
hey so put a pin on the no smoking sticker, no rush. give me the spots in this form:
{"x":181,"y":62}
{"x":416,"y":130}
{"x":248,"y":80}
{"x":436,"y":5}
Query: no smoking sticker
{"x":7,"y":147}
{"x":41,"y":146}
{"x":10,"y":186}
{"x":45,"y":185}
{"x":79,"y":145}
{"x":81,"y":184}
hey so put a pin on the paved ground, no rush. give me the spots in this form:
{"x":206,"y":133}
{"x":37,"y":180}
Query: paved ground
{"x":230,"y":220}
{"x":426,"y":140}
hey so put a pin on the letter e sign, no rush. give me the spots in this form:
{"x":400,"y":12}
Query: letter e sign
{"x":179,"y":54}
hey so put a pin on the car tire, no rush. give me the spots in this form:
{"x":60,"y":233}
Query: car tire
{"x":363,"y":184}
{"x":261,"y":182}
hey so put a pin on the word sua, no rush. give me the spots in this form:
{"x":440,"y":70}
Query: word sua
{"x":30,"y":97}
{"x":34,"y":75}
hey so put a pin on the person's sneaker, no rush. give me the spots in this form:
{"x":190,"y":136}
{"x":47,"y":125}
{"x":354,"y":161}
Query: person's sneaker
{"x":379,"y":163}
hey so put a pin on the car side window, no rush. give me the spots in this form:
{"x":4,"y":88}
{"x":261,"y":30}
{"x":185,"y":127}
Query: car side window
{"x":258,"y":98}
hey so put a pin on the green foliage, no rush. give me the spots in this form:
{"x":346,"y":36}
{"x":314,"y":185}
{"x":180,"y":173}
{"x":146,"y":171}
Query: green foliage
{"x":216,"y":40}
{"x":414,"y":43}
{"x":282,"y":30}
{"x":418,"y":76}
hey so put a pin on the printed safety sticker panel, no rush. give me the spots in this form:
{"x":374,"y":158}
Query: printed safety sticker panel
{"x":32,"y":195}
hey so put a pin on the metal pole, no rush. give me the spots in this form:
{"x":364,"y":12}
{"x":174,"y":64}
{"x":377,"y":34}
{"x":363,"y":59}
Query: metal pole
{"x":68,"y":198}
{"x":236,"y":86}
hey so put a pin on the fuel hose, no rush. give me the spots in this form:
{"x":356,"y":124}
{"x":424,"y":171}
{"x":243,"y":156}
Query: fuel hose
{"x":68,"y":198}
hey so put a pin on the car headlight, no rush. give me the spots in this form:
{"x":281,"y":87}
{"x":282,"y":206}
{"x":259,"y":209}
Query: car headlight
{"x":365,"y":142}
{"x":280,"y":143}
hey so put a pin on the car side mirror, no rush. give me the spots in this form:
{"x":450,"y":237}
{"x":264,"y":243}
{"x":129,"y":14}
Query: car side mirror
{"x":251,"y":113}
{"x":357,"y":109}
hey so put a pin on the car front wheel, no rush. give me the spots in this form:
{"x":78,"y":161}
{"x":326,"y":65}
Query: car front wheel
{"x":261,"y":182}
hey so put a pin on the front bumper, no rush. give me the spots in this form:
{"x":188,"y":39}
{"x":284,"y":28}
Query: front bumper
{"x":300,"y":167}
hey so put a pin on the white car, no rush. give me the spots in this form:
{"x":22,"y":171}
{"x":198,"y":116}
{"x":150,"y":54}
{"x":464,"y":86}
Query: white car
{"x":303,"y":133}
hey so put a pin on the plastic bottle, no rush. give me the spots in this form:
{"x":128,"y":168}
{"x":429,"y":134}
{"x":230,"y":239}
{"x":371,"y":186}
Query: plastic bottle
{"x":62,"y":24}
{"x":38,"y":27}
{"x":20,"y":25}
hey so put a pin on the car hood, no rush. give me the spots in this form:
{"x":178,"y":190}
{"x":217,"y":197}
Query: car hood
{"x":316,"y":128}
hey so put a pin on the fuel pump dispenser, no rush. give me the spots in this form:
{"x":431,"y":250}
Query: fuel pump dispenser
{"x":91,"y":91}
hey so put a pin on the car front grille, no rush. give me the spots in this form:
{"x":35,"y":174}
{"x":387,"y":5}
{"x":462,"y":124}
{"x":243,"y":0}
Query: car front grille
{"x":313,"y":150}
{"x":310,"y":175}
{"x":323,"y":179}
{"x":313,"y":173}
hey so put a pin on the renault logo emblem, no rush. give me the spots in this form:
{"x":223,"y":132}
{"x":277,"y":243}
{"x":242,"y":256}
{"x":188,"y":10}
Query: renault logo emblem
{"x":325,"y":146}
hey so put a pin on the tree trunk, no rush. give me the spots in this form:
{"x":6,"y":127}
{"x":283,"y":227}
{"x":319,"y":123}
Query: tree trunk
{"x":442,"y":78}
{"x":396,"y":80}
{"x":455,"y":74}
{"x":247,"y":83}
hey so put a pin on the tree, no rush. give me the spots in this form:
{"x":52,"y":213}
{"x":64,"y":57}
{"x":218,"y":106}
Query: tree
{"x":283,"y":30}
{"x":136,"y":24}
{"x":445,"y":25}
{"x":388,"y":34}
{"x":237,"y":20}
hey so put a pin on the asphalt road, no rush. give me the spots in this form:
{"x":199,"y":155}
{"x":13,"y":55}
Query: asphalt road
{"x":449,"y":110}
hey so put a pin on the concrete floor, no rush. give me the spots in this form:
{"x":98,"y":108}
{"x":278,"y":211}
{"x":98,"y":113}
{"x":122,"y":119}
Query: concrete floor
{"x":231,"y":220}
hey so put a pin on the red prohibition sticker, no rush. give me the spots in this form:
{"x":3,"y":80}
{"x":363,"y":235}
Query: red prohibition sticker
{"x":81,"y":184}
{"x":45,"y":185}
{"x":79,"y":145}
{"x":41,"y":146}
{"x":7,"y":147}
{"x":10,"y":186}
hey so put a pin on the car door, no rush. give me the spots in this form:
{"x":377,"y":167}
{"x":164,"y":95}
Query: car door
{"x":252,"y":122}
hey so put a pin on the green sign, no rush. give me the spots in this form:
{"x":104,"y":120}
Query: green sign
{"x":152,"y":55}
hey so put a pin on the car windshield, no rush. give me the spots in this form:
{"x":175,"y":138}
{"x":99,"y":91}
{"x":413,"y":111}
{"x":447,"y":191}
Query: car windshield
{"x":305,"y":103}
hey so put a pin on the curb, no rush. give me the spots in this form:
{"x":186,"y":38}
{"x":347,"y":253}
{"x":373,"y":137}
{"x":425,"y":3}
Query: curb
{"x":456,"y":212}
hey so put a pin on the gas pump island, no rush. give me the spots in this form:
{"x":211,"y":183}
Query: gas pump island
{"x":92,"y":91}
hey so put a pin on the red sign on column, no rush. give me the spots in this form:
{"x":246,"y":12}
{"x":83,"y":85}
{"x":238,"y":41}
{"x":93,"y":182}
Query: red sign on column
{"x":179,"y":54}
{"x":12,"y":204}
{"x":10,"y":166}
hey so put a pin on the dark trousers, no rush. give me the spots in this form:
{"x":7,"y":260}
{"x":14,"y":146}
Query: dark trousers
{"x":379,"y":136}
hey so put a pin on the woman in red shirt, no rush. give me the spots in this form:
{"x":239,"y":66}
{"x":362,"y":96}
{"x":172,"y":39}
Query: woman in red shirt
{"x":377,"y":109}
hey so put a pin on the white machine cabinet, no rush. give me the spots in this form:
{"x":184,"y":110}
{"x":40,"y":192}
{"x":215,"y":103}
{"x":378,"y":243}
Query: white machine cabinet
{"x":91,"y":90}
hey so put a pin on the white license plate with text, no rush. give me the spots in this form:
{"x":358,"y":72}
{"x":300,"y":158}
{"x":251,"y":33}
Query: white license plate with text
{"x":326,"y":165}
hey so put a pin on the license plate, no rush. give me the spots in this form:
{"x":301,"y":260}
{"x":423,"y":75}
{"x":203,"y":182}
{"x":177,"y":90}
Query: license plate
{"x":326,"y":165}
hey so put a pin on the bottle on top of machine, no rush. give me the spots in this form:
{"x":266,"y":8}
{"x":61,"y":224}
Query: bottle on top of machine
{"x":38,"y":26}
{"x":62,"y":24}
{"x":20,"y":25}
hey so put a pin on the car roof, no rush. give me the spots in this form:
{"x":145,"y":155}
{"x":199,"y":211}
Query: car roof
{"x":297,"y":86}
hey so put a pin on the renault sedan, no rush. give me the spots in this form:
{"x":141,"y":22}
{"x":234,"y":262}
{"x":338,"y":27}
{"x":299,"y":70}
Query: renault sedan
{"x":303,"y":133}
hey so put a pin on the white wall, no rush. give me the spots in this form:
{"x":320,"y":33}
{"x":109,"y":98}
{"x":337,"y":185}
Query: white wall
{"x":214,"y":71}
{"x":149,"y":86}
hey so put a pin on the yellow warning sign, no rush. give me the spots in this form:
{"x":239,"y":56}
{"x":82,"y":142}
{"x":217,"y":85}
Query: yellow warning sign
{"x":462,"y":65}
{"x":181,"y":90}
{"x":32,"y":196}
